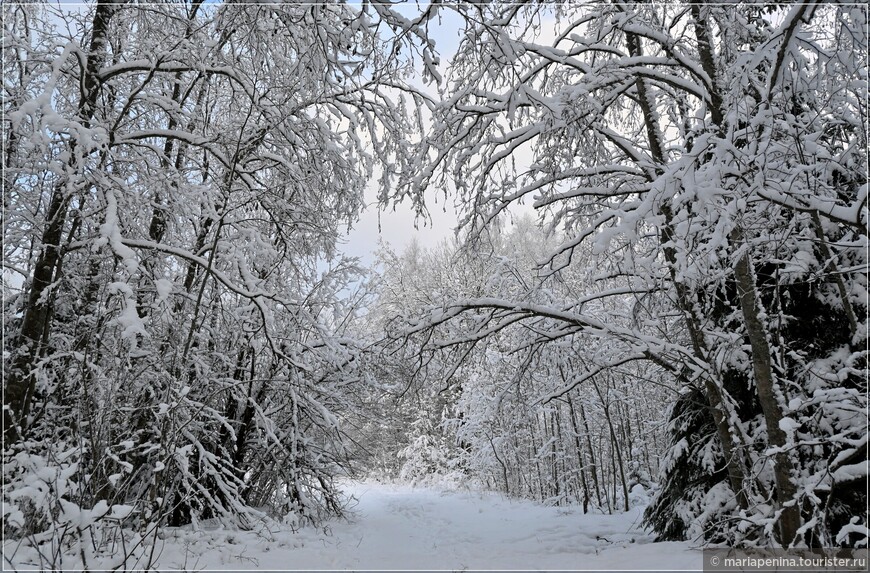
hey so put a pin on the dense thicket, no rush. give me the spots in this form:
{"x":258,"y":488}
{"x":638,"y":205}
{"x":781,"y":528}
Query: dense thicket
{"x":176,"y":176}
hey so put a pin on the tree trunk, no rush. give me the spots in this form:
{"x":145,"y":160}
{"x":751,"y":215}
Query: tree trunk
{"x":790,"y":519}
{"x":35,"y":330}
{"x":736,"y":474}
{"x":593,"y":467}
{"x":614,"y":444}
{"x":580,"y":459}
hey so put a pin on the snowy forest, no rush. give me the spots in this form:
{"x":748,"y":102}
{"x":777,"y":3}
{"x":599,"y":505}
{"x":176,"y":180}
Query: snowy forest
{"x":654,"y":299}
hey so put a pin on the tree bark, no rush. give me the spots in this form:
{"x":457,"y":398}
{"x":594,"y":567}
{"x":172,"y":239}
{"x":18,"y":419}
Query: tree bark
{"x":35,"y":330}
{"x":736,"y":474}
{"x":614,"y":444}
{"x":593,"y":467}
{"x":790,"y":518}
{"x":580,"y":458}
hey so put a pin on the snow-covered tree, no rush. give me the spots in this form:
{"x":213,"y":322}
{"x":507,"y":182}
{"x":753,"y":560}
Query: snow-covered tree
{"x":505,"y":408}
{"x":176,"y":176}
{"x":712,"y":160}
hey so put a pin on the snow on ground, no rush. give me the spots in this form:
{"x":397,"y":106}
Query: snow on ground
{"x":402,"y":527}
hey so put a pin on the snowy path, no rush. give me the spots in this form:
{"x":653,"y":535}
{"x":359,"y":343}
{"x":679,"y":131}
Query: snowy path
{"x":399,"y":527}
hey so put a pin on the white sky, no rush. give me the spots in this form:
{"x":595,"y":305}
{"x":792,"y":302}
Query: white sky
{"x":398,"y":227}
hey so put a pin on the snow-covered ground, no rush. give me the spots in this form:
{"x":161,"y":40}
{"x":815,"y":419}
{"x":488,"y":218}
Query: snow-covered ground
{"x":401,"y":527}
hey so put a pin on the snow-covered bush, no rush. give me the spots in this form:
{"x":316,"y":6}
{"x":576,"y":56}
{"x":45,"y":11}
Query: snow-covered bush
{"x":51,"y":522}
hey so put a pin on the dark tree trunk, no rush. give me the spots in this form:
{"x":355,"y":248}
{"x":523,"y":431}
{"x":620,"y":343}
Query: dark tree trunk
{"x":35,"y":329}
{"x":580,"y":458}
{"x":790,"y":520}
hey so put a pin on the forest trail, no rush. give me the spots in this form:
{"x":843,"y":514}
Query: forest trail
{"x":401,"y":527}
